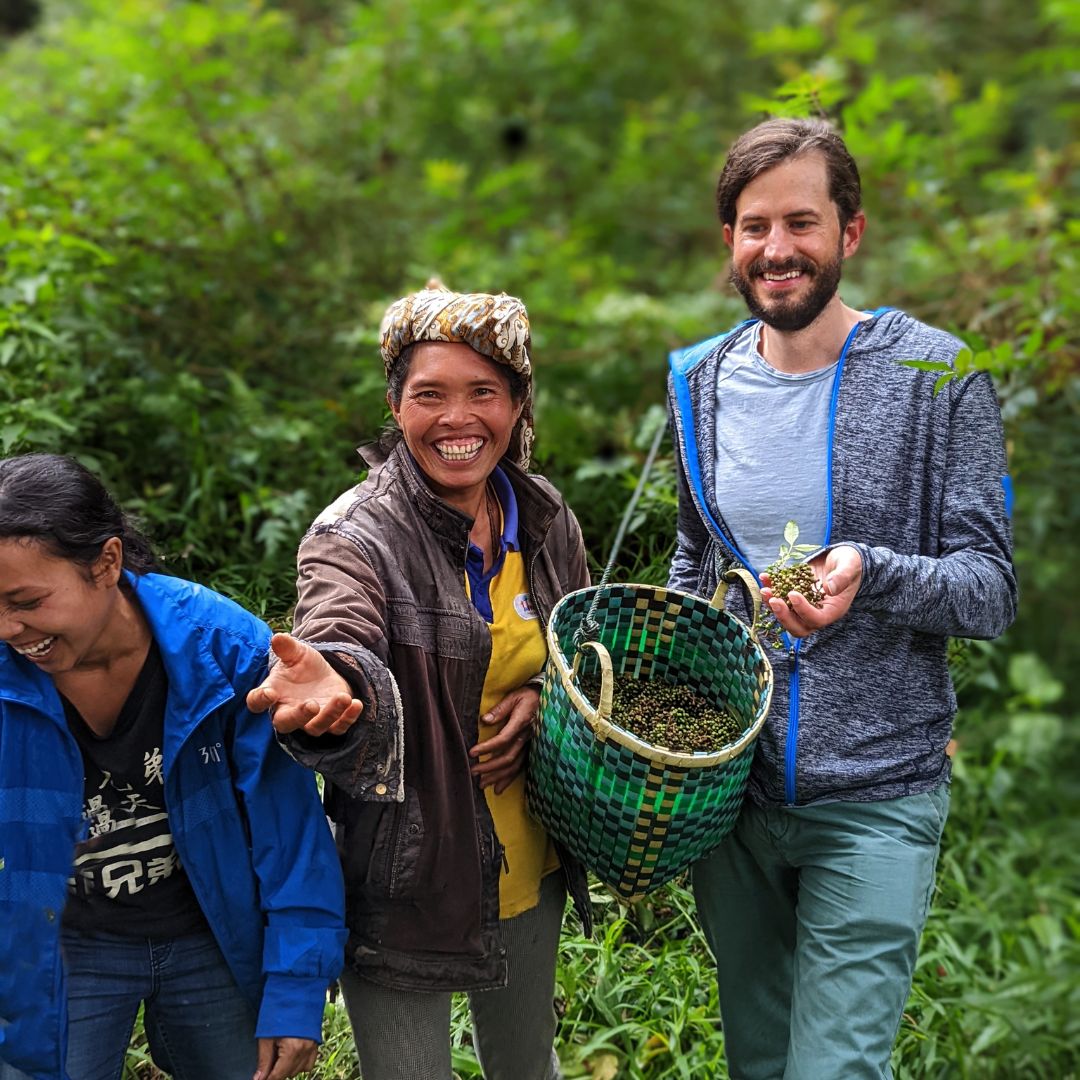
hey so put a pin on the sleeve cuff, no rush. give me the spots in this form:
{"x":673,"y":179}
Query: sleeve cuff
{"x":292,"y":1008}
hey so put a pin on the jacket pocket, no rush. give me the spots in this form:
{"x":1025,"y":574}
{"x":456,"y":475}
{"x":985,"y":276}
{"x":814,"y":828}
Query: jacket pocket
{"x":439,"y":631}
{"x":397,"y":848}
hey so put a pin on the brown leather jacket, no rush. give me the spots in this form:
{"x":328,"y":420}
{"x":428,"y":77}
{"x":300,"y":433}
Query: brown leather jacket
{"x":381,"y":590}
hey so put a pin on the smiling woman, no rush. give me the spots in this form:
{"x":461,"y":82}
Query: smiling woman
{"x":457,"y":413}
{"x":423,"y":591}
{"x":155,"y":844}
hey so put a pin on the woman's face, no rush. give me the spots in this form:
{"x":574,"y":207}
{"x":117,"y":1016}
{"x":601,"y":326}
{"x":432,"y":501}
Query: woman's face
{"x":53,"y":611}
{"x":457,"y":416}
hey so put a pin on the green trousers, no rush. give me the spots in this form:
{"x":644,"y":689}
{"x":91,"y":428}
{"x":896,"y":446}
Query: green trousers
{"x":814,"y":915}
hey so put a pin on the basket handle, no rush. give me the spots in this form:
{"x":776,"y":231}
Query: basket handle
{"x":599,"y":722}
{"x":738,"y":573}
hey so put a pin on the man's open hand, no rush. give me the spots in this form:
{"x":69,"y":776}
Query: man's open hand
{"x":840,"y":572}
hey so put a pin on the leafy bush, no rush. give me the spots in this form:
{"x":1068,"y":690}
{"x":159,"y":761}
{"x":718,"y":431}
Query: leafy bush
{"x":205,"y":207}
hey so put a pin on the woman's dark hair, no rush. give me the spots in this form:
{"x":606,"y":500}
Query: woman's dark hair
{"x":64,"y":506}
{"x":776,"y":141}
{"x":395,"y":378}
{"x":395,"y":387}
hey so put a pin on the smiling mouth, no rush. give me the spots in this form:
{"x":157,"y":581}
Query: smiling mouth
{"x":461,"y":450}
{"x":37,"y":650}
{"x":788,"y":275}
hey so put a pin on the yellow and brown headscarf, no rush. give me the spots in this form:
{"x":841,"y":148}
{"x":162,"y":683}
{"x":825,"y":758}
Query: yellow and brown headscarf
{"x":496,"y":326}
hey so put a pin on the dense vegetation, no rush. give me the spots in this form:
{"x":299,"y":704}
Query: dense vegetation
{"x":204,"y":208}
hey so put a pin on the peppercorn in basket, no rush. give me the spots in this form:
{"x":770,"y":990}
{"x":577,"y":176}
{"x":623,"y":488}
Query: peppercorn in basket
{"x":637,"y":815}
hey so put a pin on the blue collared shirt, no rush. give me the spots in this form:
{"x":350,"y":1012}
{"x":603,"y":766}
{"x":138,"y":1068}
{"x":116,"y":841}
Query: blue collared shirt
{"x":474,"y":558}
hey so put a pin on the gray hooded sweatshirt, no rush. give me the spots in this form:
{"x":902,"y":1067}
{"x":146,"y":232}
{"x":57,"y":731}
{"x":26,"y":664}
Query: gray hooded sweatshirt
{"x":862,"y":710}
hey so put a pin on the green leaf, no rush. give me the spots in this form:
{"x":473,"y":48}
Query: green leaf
{"x":80,"y":244}
{"x":791,"y":532}
{"x":966,"y":360}
{"x":942,"y":381}
{"x":1033,"y":736}
{"x":40,"y":329}
{"x":927,"y":365}
{"x":47,"y":416}
{"x":1030,"y":677}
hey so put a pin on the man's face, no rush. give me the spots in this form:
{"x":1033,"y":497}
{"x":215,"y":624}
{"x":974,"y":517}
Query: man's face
{"x":787,"y":247}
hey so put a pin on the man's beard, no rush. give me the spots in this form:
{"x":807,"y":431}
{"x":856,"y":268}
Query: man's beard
{"x":790,"y":315}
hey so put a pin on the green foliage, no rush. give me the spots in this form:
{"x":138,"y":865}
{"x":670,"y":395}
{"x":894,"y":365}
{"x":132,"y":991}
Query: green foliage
{"x":998,"y":361}
{"x":788,"y":573}
{"x":791,"y":553}
{"x":996,"y":993}
{"x":204,"y":209}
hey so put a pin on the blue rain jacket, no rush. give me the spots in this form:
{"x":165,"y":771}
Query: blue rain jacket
{"x":246,"y":820}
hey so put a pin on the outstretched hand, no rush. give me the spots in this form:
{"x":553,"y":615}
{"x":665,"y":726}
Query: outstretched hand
{"x":840,"y":572}
{"x":304,"y":692}
{"x":504,"y":754}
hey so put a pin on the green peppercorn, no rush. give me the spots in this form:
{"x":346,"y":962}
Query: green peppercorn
{"x":665,"y":715}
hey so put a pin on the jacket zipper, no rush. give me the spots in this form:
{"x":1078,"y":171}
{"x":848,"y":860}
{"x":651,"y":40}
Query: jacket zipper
{"x":791,"y":745}
{"x":179,"y":839}
{"x":683,"y":398}
{"x":793,"y":720}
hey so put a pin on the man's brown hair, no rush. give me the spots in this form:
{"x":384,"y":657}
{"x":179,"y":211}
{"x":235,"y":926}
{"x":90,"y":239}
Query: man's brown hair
{"x":775,"y":141}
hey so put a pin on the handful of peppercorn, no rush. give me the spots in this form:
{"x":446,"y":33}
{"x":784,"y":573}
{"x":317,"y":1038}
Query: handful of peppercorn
{"x":787,"y":575}
{"x":667,"y":716}
{"x":800,"y":579}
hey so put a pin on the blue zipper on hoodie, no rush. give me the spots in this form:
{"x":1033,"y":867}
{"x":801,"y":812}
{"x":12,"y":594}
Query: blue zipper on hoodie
{"x":681,"y":360}
{"x":791,"y":743}
{"x":682,"y":393}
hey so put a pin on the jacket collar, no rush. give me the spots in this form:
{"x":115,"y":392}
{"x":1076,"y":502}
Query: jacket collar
{"x":197,"y":685}
{"x":21,"y":681}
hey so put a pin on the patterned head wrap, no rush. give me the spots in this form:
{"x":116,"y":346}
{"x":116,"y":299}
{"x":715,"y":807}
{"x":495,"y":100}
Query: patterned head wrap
{"x":495,"y":326}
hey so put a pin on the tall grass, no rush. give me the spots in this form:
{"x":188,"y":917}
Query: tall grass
{"x":997,"y":989}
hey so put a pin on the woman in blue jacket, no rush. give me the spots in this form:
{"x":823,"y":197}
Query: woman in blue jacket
{"x":156,"y":847}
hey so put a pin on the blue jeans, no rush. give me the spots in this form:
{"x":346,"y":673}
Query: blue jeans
{"x":813,"y":914}
{"x":198,"y":1023}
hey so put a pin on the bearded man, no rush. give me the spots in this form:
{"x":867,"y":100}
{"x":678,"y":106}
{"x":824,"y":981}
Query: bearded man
{"x":814,"y":905}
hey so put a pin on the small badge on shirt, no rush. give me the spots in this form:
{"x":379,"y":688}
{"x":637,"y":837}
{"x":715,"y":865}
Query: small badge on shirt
{"x":523,"y":606}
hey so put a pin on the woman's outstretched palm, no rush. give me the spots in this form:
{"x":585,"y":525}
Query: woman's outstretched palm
{"x":304,"y":692}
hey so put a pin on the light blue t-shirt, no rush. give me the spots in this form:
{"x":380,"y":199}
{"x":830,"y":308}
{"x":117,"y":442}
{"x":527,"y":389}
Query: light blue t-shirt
{"x":771,"y":451}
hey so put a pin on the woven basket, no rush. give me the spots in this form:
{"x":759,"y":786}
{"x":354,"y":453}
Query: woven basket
{"x":637,"y":815}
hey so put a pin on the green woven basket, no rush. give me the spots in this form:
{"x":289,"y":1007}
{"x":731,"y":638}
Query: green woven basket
{"x":635,"y":814}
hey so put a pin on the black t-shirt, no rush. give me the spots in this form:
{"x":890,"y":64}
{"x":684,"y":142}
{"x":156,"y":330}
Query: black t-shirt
{"x":128,"y":879}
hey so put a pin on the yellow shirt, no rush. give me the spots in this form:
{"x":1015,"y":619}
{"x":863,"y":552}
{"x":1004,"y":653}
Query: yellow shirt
{"x":518,"y":652}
